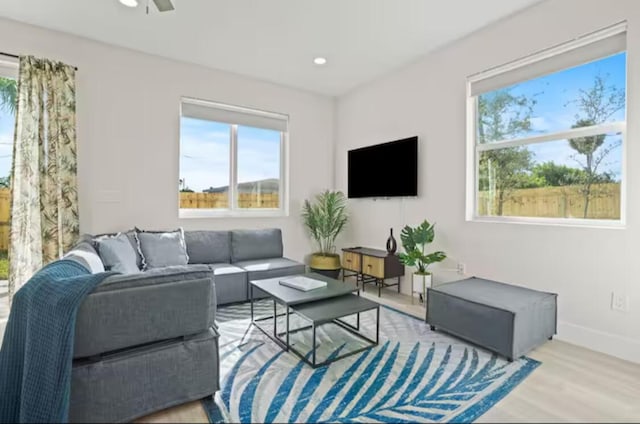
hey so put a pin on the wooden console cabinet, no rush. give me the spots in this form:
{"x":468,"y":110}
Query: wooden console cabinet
{"x":371,"y":266}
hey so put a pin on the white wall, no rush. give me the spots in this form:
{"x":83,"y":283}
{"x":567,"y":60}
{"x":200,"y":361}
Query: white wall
{"x":428,"y":99}
{"x":128,"y":129}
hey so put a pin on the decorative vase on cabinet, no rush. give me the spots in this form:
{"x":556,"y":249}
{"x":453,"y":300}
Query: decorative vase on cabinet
{"x":392,"y":245}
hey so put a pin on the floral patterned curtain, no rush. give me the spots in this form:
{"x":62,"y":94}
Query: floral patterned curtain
{"x":44,"y":199}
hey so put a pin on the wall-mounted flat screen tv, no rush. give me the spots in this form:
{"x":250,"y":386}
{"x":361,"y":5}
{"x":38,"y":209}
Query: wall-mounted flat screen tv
{"x":384,"y":170}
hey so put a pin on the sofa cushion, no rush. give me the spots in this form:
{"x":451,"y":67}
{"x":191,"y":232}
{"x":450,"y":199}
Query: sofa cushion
{"x":224,"y":268}
{"x":134,"y":309}
{"x":230,"y":283}
{"x":208,"y":247}
{"x":131,"y":235}
{"x":260,"y":269}
{"x":162,"y":249}
{"x":154,"y":276}
{"x":117,"y":254}
{"x":85,"y":254}
{"x":137,"y":382}
{"x":494,"y":294}
{"x":247,"y":245}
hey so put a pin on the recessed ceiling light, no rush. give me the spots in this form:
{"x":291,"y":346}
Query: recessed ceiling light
{"x":129,"y":3}
{"x":320,"y":60}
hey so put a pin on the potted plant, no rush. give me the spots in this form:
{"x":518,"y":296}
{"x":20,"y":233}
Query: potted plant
{"x":414,"y":241}
{"x":324,"y":219}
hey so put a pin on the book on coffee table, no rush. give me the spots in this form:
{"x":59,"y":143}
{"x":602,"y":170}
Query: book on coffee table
{"x":302,"y":283}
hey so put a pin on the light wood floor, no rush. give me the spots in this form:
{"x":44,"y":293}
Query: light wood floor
{"x":573,"y":384}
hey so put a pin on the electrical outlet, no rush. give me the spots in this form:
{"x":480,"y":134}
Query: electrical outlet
{"x":461,"y":268}
{"x":619,"y":302}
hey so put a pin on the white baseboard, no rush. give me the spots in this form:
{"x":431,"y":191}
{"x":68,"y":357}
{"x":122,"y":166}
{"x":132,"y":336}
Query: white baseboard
{"x":610,"y":344}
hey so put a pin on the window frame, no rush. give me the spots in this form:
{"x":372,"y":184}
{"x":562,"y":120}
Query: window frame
{"x":234,"y":211}
{"x":9,"y":68}
{"x":474,"y":149}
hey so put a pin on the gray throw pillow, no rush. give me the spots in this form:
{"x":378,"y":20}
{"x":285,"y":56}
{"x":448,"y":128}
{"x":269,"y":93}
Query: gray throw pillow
{"x":131,"y":234}
{"x":162,"y":249}
{"x":85,"y":254}
{"x":117,"y":254}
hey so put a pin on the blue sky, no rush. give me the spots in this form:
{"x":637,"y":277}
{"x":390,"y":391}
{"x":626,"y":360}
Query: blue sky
{"x":7,"y":123}
{"x":204,"y":153}
{"x":555,"y":109}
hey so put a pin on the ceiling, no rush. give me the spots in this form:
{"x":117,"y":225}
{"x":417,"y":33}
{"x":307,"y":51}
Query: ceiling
{"x":276,"y":40}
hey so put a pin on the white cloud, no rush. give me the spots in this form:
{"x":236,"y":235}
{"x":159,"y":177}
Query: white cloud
{"x":561,"y":153}
{"x":552,"y":122}
{"x":561,"y":121}
{"x":204,"y":154}
{"x":539,"y":124}
{"x":258,"y":160}
{"x":204,"y":160}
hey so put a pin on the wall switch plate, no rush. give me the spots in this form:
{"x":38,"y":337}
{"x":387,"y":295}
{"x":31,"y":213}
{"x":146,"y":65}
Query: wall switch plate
{"x":619,"y":302}
{"x":461,"y":268}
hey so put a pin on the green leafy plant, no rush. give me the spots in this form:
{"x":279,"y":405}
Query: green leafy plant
{"x":8,"y":95}
{"x":414,"y":241}
{"x":4,"y":265}
{"x":325,"y":218}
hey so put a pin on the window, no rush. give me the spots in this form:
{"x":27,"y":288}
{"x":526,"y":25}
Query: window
{"x":546,"y":135}
{"x":232,"y":161}
{"x":8,"y":93}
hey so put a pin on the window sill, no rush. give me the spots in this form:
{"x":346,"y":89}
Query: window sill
{"x":217,"y":213}
{"x":552,"y":222}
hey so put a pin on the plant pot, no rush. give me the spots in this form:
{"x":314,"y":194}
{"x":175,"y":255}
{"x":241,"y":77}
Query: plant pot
{"x":421,"y":282}
{"x":327,"y":265}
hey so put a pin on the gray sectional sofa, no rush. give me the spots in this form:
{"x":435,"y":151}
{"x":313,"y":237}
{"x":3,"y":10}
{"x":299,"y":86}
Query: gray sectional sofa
{"x":239,"y":256}
{"x":147,"y":340}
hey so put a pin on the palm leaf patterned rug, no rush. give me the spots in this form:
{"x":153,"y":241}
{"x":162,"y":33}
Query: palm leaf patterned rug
{"x":413,"y":375}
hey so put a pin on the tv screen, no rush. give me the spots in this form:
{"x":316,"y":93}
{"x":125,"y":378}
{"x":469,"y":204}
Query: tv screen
{"x":384,"y":170}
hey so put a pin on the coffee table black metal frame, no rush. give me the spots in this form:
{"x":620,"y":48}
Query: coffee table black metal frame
{"x":337,"y":295}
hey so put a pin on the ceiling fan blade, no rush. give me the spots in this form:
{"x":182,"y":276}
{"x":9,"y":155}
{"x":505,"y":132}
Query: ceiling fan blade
{"x":164,"y":5}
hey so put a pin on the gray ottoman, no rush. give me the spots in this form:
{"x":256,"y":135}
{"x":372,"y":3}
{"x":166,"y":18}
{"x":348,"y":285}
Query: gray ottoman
{"x":509,"y":320}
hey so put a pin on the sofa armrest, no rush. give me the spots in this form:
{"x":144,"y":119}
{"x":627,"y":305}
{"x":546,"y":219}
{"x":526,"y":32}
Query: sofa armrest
{"x":131,"y":310}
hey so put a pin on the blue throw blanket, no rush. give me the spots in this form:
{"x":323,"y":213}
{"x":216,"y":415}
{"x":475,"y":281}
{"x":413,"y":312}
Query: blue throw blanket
{"x":37,"y":351}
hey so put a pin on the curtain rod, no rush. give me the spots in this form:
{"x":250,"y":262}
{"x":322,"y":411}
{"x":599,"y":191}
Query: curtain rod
{"x":15,"y":56}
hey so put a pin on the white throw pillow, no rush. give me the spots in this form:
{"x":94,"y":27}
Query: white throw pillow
{"x":89,"y":259}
